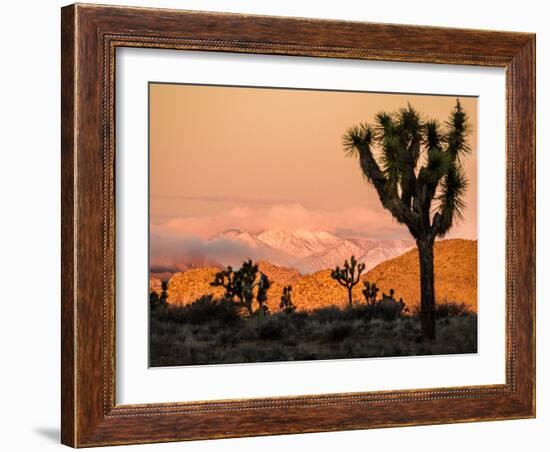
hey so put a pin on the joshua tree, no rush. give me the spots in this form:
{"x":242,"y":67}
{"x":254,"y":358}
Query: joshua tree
{"x":286,"y":300}
{"x":263,"y":286}
{"x":245,"y":281}
{"x":226,"y":279}
{"x":418,"y":174}
{"x":370,"y":292}
{"x":240,"y":284}
{"x":164,"y":292}
{"x":348,"y":276}
{"x":390,"y":308}
{"x":153,"y":299}
{"x":159,"y":300}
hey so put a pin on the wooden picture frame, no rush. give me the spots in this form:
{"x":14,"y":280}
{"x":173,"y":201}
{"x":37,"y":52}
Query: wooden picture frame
{"x":90,"y":36}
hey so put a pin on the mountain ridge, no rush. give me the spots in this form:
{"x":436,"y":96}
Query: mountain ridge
{"x":307,"y":251}
{"x":455,"y":280}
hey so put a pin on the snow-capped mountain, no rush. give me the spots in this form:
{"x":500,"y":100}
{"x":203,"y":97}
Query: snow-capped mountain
{"x":384,"y":250}
{"x":329,"y":257}
{"x":240,"y":236}
{"x":298,"y":244}
{"x":311,"y":251}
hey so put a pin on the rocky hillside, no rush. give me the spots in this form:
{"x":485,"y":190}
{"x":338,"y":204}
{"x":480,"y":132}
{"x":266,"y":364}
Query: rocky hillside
{"x":455,"y":273}
{"x":455,"y":280}
{"x":186,"y":287}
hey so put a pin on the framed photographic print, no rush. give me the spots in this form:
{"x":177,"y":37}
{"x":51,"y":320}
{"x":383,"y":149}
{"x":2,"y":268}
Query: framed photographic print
{"x":280,"y":225}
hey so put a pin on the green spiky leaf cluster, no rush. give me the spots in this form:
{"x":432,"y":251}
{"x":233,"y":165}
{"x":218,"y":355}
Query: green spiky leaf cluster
{"x":415,"y":166}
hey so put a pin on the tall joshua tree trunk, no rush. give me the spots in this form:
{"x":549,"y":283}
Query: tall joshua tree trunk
{"x":427,"y":291}
{"x":350,"y":296}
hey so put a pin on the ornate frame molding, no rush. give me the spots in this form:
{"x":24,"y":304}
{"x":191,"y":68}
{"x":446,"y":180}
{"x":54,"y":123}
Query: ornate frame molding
{"x":90,"y":37}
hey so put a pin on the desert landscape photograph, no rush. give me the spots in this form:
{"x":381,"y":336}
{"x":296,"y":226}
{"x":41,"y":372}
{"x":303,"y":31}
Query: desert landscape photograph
{"x":291,"y":225}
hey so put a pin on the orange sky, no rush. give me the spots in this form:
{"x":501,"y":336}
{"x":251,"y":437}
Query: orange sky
{"x":256,"y":158}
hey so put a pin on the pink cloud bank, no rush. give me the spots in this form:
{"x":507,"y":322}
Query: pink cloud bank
{"x":350,"y":221}
{"x":193,"y":241}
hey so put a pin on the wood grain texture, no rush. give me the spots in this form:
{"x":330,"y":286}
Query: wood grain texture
{"x":90,"y":36}
{"x":68,"y":331}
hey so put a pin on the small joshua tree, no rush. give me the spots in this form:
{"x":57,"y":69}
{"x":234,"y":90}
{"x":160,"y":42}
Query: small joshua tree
{"x":155,"y":299}
{"x":370,"y":292}
{"x":240,"y":285}
{"x":263,"y":286}
{"x":349,"y":275}
{"x":244,"y":281}
{"x":286,"y":304}
{"x":164,"y":293}
{"x":390,"y":308}
{"x":226,"y":279}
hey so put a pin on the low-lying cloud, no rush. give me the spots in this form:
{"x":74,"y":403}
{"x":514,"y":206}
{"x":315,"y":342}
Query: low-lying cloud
{"x":358,"y":221}
{"x":191,"y":241}
{"x":180,"y":251}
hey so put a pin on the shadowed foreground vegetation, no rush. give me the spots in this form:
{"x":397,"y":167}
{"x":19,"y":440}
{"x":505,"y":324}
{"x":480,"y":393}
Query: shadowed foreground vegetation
{"x":211,"y":331}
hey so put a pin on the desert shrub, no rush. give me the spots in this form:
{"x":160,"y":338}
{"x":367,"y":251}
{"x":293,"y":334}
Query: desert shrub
{"x":168,"y":314}
{"x":339,"y":332}
{"x":408,"y":328}
{"x":164,"y":328}
{"x":202,"y":354}
{"x":194,"y":334}
{"x":277,"y":353}
{"x":247,"y":332}
{"x":203,"y":334}
{"x":307,"y":353}
{"x":452,"y":309}
{"x":351,"y":313}
{"x":459,"y":335}
{"x":386,"y":309}
{"x":328,"y":314}
{"x":313,"y":329}
{"x":298,"y":319}
{"x":249,"y":353}
{"x":226,"y":338}
{"x":290,"y":341}
{"x":357,"y":312}
{"x":165,"y":350}
{"x":205,"y":309}
{"x":271,"y":329}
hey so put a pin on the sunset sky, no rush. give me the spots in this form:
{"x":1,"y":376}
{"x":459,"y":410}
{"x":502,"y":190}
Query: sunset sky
{"x":258,"y":158}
